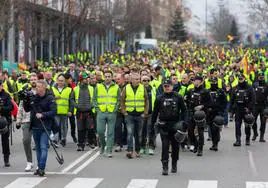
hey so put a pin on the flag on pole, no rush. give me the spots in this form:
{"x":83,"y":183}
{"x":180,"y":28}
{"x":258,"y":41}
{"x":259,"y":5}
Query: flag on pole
{"x":244,"y":64}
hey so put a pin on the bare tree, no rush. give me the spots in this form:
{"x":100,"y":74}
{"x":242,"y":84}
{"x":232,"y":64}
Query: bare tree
{"x":258,"y":13}
{"x":220,"y":23}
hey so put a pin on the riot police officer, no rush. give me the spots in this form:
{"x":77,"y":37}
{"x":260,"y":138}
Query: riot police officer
{"x":215,"y":112}
{"x":6,"y":107}
{"x":261,"y":91}
{"x":242,"y":101}
{"x":197,"y":100}
{"x":169,"y":108}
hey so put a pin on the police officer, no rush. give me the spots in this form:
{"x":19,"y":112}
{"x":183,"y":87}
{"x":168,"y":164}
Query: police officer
{"x":169,"y":108}
{"x":242,"y":101}
{"x":215,"y":108}
{"x":5,"y":108}
{"x":197,"y":99}
{"x":261,"y":91}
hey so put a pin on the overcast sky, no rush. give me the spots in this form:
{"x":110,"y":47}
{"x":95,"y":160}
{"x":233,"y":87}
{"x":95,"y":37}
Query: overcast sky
{"x":236,"y":7}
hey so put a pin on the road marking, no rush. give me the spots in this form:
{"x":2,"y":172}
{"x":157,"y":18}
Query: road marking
{"x":252,"y":164}
{"x":202,"y":184}
{"x":142,"y":183}
{"x":25,"y":182}
{"x":256,"y":184}
{"x":77,"y":161}
{"x":31,"y":173}
{"x":86,"y":163}
{"x":84,"y":183}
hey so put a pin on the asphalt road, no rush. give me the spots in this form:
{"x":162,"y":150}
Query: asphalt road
{"x":230,"y":167}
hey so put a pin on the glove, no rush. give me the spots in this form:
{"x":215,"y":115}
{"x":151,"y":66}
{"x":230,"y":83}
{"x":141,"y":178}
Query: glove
{"x":18,"y":125}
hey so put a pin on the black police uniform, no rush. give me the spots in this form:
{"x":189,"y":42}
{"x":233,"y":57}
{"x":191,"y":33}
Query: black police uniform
{"x":6,"y":107}
{"x":169,"y":108}
{"x":215,"y":108}
{"x":242,"y":101}
{"x":196,"y":97}
{"x":261,"y":91}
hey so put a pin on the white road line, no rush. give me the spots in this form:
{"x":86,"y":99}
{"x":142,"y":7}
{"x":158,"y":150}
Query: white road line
{"x":202,"y":184}
{"x":86,"y":163}
{"x":256,"y":184}
{"x":30,"y":173}
{"x":142,"y":183}
{"x":25,"y":182}
{"x":252,"y":164}
{"x":77,"y":161}
{"x":84,"y":183}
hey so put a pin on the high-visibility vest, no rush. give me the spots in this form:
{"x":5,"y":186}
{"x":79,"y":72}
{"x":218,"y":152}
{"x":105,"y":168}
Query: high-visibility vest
{"x":76,"y":95}
{"x":182,"y":91}
{"x":191,"y":86}
{"x":21,"y":85}
{"x":208,"y":84}
{"x":153,"y":96}
{"x":106,"y":100}
{"x":6,"y":88}
{"x":63,"y":101}
{"x":135,"y":101}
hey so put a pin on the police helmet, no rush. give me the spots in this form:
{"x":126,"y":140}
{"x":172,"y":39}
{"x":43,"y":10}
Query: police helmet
{"x":218,"y":121}
{"x":3,"y":125}
{"x":265,"y":112}
{"x":200,"y":118}
{"x":181,"y":131}
{"x":249,"y":120}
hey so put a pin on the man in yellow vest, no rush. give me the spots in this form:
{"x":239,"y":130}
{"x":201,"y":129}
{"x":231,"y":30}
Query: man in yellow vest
{"x":148,"y":136}
{"x":134,"y":105}
{"x":106,"y":102}
{"x":82,"y":99}
{"x":64,"y":108}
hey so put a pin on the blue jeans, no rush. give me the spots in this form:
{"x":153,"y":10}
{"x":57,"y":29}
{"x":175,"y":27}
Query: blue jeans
{"x":134,"y":129}
{"x":41,"y":146}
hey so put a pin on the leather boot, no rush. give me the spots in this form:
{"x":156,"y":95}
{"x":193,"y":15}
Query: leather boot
{"x":262,"y":138}
{"x":174,"y":167}
{"x":6,"y":161}
{"x":247,"y":141}
{"x":165,"y":168}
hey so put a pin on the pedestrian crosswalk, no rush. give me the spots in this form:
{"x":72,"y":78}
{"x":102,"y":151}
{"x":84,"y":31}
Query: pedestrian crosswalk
{"x":31,"y":182}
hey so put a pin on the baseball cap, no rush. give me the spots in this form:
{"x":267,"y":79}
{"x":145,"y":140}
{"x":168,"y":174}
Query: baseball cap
{"x":167,"y":82}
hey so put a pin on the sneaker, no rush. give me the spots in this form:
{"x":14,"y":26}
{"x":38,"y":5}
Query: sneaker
{"x":29,"y":167}
{"x":36,"y":172}
{"x":165,"y":172}
{"x":109,"y":155}
{"x":92,"y":146}
{"x":191,"y":148}
{"x":129,"y":155}
{"x":142,"y":151}
{"x":151,"y":152}
{"x":79,"y":148}
{"x":41,"y":173}
{"x":117,"y":148}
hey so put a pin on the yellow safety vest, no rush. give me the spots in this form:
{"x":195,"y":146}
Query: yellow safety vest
{"x":135,"y":101}
{"x":5,"y":87}
{"x":107,"y":99}
{"x":76,"y":95}
{"x":208,"y":84}
{"x":63,"y":102}
{"x":153,"y":95}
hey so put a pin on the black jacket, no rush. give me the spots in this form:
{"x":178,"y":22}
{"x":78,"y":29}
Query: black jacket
{"x":6,"y":105}
{"x":240,"y":103}
{"x":46,"y":106}
{"x":162,"y":109}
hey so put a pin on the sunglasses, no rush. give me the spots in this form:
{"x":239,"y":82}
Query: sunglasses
{"x":145,"y":80}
